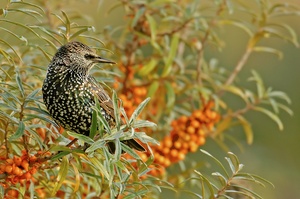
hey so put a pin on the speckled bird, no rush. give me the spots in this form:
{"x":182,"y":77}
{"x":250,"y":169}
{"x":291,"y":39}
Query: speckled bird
{"x":69,"y":91}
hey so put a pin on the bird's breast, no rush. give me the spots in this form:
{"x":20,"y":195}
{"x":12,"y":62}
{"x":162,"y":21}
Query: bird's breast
{"x":69,"y":102}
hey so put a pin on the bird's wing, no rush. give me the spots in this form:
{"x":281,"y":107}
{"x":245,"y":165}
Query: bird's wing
{"x":104,"y":99}
{"x":106,"y":103}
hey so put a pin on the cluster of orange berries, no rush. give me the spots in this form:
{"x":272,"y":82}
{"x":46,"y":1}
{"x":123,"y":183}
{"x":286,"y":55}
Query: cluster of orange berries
{"x":19,"y":169}
{"x":132,"y":98}
{"x":187,"y":134}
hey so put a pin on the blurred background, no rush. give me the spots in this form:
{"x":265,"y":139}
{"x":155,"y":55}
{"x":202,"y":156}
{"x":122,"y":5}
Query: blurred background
{"x":274,"y":153}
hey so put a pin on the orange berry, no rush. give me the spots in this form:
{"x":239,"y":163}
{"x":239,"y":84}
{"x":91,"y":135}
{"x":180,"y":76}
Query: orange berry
{"x":17,"y":171}
{"x":168,"y":142}
{"x":166,"y":150}
{"x":195,"y":124}
{"x":183,"y":119}
{"x":12,"y":193}
{"x":174,"y":123}
{"x":160,"y":159}
{"x":193,"y":147}
{"x":27,"y":176}
{"x":17,"y":160}
{"x":144,"y":157}
{"x":167,"y":162}
{"x":33,"y":170}
{"x":201,"y":140}
{"x":8,"y":169}
{"x":187,"y":137}
{"x":33,"y":159}
{"x":174,"y":153}
{"x":9,"y":161}
{"x":190,"y":130}
{"x":200,"y":132}
{"x":41,"y":193}
{"x":25,"y":165}
{"x":177,"y":144}
{"x":2,"y":167}
{"x":197,"y":114}
{"x":185,"y":145}
{"x":181,"y":155}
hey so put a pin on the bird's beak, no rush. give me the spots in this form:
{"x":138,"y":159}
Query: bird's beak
{"x":103,"y":60}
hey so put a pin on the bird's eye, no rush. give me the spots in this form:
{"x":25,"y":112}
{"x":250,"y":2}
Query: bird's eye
{"x":89,"y":56}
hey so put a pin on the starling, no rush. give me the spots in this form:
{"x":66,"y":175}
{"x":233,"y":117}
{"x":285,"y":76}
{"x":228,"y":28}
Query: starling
{"x":69,"y":91}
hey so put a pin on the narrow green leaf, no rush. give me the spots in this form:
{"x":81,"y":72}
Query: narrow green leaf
{"x":8,"y":107}
{"x":130,"y":151}
{"x":170,"y":95}
{"x":39,"y":116}
{"x":255,"y":178}
{"x":268,"y":50}
{"x":280,"y":95}
{"x":152,"y":89}
{"x":171,"y":56}
{"x":96,"y":145}
{"x":79,"y":32}
{"x":285,"y":108}
{"x":143,"y":123}
{"x":116,"y":109}
{"x":148,"y":67}
{"x":100,"y":117}
{"x":81,"y":137}
{"x":234,"y":159}
{"x":93,"y":38}
{"x":243,"y":191}
{"x":44,"y":53}
{"x":231,"y":165}
{"x":118,"y":149}
{"x":216,"y":160}
{"x":60,"y":155}
{"x":38,"y":110}
{"x":137,"y":16}
{"x":247,"y":129}
{"x":123,"y":112}
{"x":143,"y":137}
{"x":20,"y":85}
{"x":32,"y":95}
{"x":62,"y":174}
{"x":153,"y":26}
{"x":68,"y":25}
{"x":21,"y":25}
{"x":207,"y":182}
{"x":29,"y":4}
{"x":138,"y":110}
{"x":259,"y":83}
{"x":221,"y":178}
{"x":271,"y":115}
{"x":238,"y":24}
{"x":93,"y":128}
{"x":237,"y":91}
{"x":19,"y":132}
{"x":28,"y":12}
{"x":122,"y":166}
{"x":136,"y":194}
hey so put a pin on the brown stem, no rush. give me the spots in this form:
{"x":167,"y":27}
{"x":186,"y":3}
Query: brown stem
{"x":239,"y":66}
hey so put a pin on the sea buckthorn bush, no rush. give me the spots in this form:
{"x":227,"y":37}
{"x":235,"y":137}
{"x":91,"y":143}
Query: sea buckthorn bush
{"x":169,"y":92}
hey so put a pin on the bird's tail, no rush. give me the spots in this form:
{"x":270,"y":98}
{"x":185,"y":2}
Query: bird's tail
{"x":131,"y":143}
{"x":134,"y":144}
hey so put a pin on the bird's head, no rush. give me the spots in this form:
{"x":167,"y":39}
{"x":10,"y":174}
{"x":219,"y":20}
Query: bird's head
{"x":78,"y":57}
